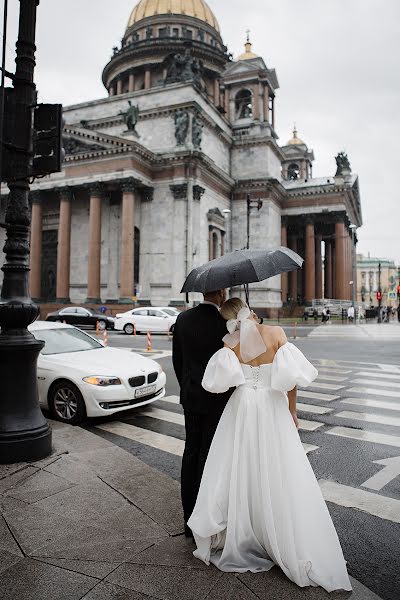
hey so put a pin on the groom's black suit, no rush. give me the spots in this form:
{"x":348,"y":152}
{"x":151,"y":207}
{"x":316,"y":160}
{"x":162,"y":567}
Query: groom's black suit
{"x":198,"y":335}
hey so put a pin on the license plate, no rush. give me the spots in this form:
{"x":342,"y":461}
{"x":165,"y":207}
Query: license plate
{"x":146,"y":391}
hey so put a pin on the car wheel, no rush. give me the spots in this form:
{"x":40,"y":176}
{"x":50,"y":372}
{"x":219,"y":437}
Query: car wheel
{"x":129,"y":329}
{"x":171,"y":329}
{"x":102,"y":325}
{"x":66,"y":403}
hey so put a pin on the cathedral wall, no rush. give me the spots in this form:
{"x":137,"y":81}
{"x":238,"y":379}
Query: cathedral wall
{"x":265,"y":232}
{"x":255,"y":161}
{"x":79,"y":247}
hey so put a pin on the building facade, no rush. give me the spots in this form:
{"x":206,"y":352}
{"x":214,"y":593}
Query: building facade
{"x":368,"y":278}
{"x":157,"y":174}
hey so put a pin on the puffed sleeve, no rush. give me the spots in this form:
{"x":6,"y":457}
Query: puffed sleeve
{"x":223,"y":372}
{"x":290,"y":368}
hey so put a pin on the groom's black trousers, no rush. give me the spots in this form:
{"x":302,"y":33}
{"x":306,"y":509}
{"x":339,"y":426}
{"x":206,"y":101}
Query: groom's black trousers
{"x":200,"y":431}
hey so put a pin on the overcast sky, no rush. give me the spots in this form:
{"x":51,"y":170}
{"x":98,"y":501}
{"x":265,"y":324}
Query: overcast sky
{"x":337,"y":63}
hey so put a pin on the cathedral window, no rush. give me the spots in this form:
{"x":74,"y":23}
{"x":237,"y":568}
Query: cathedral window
{"x":215,"y":245}
{"x":175,"y":32}
{"x":163,"y":32}
{"x":293,"y":172}
{"x":244,"y":104}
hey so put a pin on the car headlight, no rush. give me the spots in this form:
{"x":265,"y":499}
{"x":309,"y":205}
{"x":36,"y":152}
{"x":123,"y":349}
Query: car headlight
{"x":101,"y":380}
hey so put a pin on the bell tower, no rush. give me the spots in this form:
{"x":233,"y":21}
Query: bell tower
{"x":298,"y":159}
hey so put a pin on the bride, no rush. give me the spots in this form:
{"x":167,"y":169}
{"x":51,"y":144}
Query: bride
{"x":259,"y":503}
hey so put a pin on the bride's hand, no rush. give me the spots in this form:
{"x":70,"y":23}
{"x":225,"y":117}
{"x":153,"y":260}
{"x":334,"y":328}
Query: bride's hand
{"x":295,"y":419}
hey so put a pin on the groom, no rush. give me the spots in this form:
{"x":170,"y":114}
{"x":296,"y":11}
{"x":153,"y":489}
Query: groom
{"x":198,"y":335}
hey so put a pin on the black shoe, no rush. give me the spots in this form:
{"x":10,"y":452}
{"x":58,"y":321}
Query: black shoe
{"x":188,"y":532}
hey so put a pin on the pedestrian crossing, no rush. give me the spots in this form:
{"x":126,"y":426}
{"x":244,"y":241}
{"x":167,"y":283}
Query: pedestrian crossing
{"x":366,"y":395}
{"x":370,"y":331}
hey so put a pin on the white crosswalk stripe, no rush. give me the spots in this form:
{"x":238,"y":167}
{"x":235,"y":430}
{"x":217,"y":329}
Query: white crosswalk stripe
{"x":331,"y":378}
{"x":387,"y":376}
{"x":392,"y":405}
{"x":157,"y":440}
{"x":316,"y":396}
{"x":327,"y":386}
{"x":370,"y":418}
{"x":392,"y":384}
{"x":313,"y":409}
{"x":373,"y":392}
{"x":371,"y":331}
{"x":366,"y":436}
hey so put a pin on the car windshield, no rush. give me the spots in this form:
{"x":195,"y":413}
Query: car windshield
{"x":61,"y":341}
{"x":170,"y":311}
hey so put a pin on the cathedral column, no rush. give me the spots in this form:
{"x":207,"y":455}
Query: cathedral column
{"x":127,"y":283}
{"x":318,"y":266}
{"x":328,"y":270}
{"x":273,"y":113}
{"x":339,"y":260}
{"x":111,"y":91}
{"x":266,"y":103}
{"x":131,"y":82}
{"x":293,"y":274}
{"x":147,"y":79}
{"x":216,"y":92}
{"x":94,"y":258}
{"x":226,"y":102}
{"x":310,"y":261}
{"x":284,"y":276}
{"x":35,"y":276}
{"x":222,"y":243}
{"x":119,"y":87}
{"x":64,"y":246}
{"x":256,"y":102}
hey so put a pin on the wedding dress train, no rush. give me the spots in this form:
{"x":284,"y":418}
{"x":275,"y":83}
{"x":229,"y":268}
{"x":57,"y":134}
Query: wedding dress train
{"x":259,"y":502}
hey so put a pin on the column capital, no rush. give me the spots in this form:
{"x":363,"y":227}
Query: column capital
{"x":148,"y":194}
{"x":180,"y":191}
{"x":35,"y":197}
{"x":198,"y":191}
{"x":309,"y":219}
{"x":129,"y":185}
{"x":284,"y":221}
{"x":338,"y":218}
{"x":65,"y":193}
{"x":96,"y":188}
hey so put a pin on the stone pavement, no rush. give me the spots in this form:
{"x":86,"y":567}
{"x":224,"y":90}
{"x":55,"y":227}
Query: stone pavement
{"x":93,"y":522}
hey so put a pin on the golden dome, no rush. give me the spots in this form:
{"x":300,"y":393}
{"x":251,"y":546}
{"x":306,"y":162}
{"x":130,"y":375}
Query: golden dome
{"x":295,"y":141}
{"x":248,"y":54}
{"x":191,"y":8}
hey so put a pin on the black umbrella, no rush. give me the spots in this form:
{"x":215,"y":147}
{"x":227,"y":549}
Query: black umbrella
{"x":240,"y":268}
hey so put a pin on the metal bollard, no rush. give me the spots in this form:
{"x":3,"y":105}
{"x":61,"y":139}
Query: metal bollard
{"x":105,"y":337}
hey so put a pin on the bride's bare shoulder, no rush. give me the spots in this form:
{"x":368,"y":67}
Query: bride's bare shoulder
{"x":274,"y":331}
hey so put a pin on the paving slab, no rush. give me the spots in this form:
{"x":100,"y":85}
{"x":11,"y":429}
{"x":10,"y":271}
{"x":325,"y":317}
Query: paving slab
{"x":98,"y":546}
{"x":141,"y":484}
{"x":33,"y":580}
{"x":132,"y":522}
{"x":7,"y":560}
{"x":69,"y":467}
{"x":107,"y":591}
{"x":16,"y":478}
{"x":229,"y":587}
{"x":67,"y":438}
{"x":7,"y":470}
{"x":174,"y":551}
{"x":35,"y":528}
{"x":88,"y":503}
{"x":93,"y":568}
{"x":7,"y":504}
{"x":274,"y":584}
{"x":166,"y":583}
{"x":39,"y":485}
{"x":7,"y":541}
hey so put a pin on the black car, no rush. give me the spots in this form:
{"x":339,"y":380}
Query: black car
{"x":81,"y":317}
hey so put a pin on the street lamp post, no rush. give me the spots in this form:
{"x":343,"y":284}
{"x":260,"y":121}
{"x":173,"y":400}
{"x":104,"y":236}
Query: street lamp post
{"x":353,"y":265}
{"x":24,"y":432}
{"x":379,"y":294}
{"x":250,"y":205}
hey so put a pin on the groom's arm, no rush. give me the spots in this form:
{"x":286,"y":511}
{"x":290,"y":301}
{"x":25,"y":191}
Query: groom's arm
{"x":177,"y":352}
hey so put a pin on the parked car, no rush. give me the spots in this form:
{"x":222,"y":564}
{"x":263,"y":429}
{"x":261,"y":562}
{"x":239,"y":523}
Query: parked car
{"x":81,"y":317}
{"x":79,"y":377}
{"x":152,"y":318}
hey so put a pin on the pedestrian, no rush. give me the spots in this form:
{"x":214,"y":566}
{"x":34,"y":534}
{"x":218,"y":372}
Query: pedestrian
{"x":328,"y":316}
{"x":315,"y":314}
{"x":197,"y":336}
{"x":324,"y":315}
{"x":350,"y":314}
{"x":360,"y":315}
{"x":388,"y":313}
{"x":398,"y":313}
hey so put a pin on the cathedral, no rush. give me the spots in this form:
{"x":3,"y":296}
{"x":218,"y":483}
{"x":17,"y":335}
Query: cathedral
{"x":157,"y":175}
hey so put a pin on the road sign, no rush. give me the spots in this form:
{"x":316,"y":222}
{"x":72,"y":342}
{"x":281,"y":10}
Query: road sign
{"x":392,"y":295}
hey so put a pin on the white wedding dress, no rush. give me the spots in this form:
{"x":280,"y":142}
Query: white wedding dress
{"x":259,"y":502}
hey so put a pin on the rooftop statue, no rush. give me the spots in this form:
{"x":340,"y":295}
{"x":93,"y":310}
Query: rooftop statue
{"x":183,"y":67}
{"x":342,"y":163}
{"x":131,"y":116}
{"x":182,"y":120}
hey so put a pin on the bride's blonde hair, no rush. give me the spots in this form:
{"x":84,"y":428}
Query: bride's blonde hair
{"x":230,"y":308}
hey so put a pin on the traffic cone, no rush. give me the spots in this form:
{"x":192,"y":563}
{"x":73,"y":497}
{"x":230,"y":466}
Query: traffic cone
{"x":105,"y":337}
{"x":97,"y":329}
{"x":148,"y":341}
{"x":134,"y":329}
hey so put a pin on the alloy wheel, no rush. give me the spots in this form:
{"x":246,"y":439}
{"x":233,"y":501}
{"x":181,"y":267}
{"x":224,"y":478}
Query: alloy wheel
{"x":65,"y":403}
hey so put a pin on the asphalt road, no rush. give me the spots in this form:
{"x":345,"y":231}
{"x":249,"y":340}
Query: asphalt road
{"x":351,"y":419}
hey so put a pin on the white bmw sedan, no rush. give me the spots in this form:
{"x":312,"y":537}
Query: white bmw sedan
{"x":78,"y":377}
{"x":153,"y":319}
